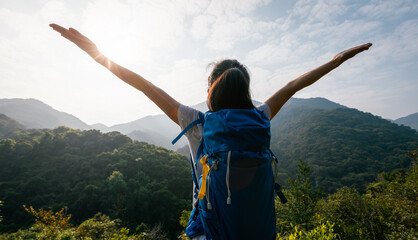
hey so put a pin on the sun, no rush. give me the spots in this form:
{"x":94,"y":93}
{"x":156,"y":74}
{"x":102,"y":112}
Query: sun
{"x":116,"y":43}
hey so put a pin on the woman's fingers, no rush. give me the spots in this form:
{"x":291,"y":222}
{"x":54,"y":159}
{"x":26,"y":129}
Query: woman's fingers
{"x":70,"y":34}
{"x":75,"y":32}
{"x":58,"y":28}
{"x":367,"y":45}
{"x":64,"y":32}
{"x":77,"y":38}
{"x":80,"y":37}
{"x":349,"y":53}
{"x":364,"y":46}
{"x":359,"y":48}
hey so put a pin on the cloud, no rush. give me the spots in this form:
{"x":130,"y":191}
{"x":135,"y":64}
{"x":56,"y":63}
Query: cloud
{"x":186,"y":80}
{"x":225,"y":32}
{"x":388,"y":9}
{"x":273,"y":53}
{"x":224,"y":23}
{"x":170,"y":43}
{"x":406,"y":36}
{"x":305,"y":45}
{"x":153,"y":24}
{"x":324,"y":11}
{"x":234,"y":7}
{"x":201,"y":26}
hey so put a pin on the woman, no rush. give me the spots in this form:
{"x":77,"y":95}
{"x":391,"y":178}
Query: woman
{"x":171,"y":107}
{"x":228,"y":86}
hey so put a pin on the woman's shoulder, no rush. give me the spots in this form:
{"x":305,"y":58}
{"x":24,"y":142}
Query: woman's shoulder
{"x":187,"y":115}
{"x":265,"y":108}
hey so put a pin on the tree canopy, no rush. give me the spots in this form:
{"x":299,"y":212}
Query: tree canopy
{"x":90,"y":172}
{"x":344,"y":147}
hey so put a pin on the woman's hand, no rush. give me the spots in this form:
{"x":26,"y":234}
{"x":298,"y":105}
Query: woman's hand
{"x":78,"y":39}
{"x":164,"y":101}
{"x":349,"y":53}
{"x":278,"y":99}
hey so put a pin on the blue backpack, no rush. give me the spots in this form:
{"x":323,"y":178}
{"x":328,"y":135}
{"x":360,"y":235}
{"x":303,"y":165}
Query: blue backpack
{"x":235,"y":193}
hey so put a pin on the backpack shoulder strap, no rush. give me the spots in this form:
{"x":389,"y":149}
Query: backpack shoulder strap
{"x":201,"y":120}
{"x":277,"y":186}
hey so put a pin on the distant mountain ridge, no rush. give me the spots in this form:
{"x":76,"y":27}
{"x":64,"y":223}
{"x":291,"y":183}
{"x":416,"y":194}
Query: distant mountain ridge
{"x":344,"y":146}
{"x":157,"y":129}
{"x":296,"y":106}
{"x":410,"y":120}
{"x":33,"y":113}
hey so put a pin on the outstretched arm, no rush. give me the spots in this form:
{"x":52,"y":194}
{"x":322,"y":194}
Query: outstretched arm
{"x":278,"y":99}
{"x":164,"y":101}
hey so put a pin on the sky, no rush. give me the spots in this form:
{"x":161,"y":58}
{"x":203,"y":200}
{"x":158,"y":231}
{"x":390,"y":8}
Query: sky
{"x":172,"y":43}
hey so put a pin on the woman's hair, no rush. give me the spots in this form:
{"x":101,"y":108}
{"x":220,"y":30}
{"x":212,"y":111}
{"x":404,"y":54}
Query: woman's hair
{"x":229,"y":86}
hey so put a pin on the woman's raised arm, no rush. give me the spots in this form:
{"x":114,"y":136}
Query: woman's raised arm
{"x":164,"y":101}
{"x":278,"y":99}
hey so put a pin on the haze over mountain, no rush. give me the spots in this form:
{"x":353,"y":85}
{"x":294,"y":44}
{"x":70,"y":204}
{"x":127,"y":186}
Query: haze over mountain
{"x":33,"y":113}
{"x":344,"y":146}
{"x":158,"y":129}
{"x":410,"y":120}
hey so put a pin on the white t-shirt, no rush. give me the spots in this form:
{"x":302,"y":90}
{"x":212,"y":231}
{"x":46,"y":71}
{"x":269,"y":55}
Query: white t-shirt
{"x":187,"y":115}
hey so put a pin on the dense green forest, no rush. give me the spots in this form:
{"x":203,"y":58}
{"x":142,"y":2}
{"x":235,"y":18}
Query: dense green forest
{"x":91,"y":172}
{"x":388,"y":210}
{"x":343,"y":146}
{"x":114,"y":187}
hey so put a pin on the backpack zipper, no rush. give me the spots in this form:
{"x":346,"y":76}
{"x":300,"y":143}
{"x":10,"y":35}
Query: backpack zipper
{"x":207,"y":192}
{"x":209,"y":205}
{"x":228,"y":201}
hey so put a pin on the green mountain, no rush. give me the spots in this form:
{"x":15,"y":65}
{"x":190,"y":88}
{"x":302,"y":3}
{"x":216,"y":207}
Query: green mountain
{"x":295,"y":107}
{"x":410,"y":120}
{"x":344,"y":147}
{"x":158,"y":130}
{"x":33,"y":113}
{"x":8,"y":126}
{"x":90,"y":172}
{"x":152,"y":137}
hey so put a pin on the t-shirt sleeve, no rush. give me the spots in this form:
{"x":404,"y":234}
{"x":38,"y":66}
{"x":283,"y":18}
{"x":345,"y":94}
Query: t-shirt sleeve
{"x":266,"y":108}
{"x":187,"y":115}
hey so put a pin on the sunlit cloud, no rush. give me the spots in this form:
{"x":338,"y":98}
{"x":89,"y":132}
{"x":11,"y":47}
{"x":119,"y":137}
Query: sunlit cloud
{"x":171,"y":42}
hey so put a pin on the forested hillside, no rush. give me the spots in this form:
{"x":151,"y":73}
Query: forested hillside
{"x":387,"y":211}
{"x":144,"y":185}
{"x":91,"y":172}
{"x":344,"y":147}
{"x":87,"y":172}
{"x":316,"y":129}
{"x":8,"y":126}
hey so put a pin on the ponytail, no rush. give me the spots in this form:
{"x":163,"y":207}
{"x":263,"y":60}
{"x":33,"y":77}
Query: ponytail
{"x":230,"y":91}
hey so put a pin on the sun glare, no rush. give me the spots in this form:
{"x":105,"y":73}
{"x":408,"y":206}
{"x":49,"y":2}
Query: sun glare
{"x":115,"y":44}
